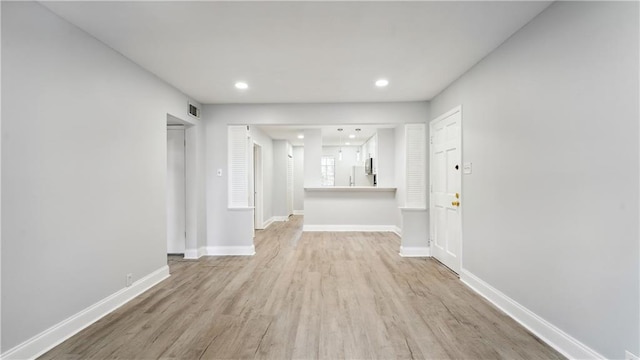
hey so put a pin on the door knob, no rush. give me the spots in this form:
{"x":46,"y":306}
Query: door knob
{"x":457,"y":196}
{"x":455,"y":203}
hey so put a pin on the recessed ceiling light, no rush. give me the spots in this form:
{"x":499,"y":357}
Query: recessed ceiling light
{"x":347,"y":143}
{"x":300,"y":136}
{"x":352,"y":136}
{"x":242,"y":85}
{"x":382,"y":82}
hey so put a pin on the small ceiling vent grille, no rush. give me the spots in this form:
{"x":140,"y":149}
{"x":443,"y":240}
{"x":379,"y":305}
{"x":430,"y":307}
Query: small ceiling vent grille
{"x":194,"y":111}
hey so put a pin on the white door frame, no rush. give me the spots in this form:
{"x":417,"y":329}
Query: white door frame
{"x":191,"y":195}
{"x":258,"y":179}
{"x":457,"y":109}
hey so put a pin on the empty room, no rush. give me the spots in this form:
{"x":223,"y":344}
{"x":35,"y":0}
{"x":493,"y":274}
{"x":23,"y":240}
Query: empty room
{"x":335,"y":180}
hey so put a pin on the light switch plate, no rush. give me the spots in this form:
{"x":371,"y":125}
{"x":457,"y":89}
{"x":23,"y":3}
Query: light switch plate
{"x":466,"y":168}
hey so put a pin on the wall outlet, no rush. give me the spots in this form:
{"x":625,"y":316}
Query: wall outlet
{"x":129,"y":279}
{"x":630,"y":356}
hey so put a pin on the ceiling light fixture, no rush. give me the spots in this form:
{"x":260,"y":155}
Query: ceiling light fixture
{"x":352,"y":136}
{"x":382,"y":82}
{"x":300,"y":136}
{"x":242,"y":85}
{"x":347,"y":143}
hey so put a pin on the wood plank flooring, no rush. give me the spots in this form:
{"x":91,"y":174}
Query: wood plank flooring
{"x":307,"y":296}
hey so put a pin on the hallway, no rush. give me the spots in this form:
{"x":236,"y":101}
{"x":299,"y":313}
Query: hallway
{"x":307,"y":295}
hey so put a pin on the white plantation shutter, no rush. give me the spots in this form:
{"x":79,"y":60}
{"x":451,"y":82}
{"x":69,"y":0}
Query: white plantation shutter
{"x":238,"y":152}
{"x":416,"y":143}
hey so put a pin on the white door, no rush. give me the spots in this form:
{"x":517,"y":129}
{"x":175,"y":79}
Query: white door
{"x":445,"y":184}
{"x":176,"y":200}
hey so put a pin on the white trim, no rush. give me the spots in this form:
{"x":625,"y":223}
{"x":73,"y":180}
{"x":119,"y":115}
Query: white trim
{"x":191,"y":254}
{"x":547,"y":332}
{"x":360,"y":228}
{"x":244,"y":208}
{"x":415,"y":251}
{"x":230,"y":250}
{"x":396,"y":230}
{"x":202,"y":251}
{"x":195,"y":254}
{"x":298,"y":212}
{"x":279,"y":218}
{"x":415,"y":209}
{"x":257,"y":169}
{"x":267,"y":223}
{"x":60,"y":332}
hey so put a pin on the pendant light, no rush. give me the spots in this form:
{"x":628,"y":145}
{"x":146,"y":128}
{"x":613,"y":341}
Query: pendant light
{"x":340,"y":151}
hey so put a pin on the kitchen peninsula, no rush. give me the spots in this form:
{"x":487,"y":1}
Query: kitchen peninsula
{"x":351,"y":208}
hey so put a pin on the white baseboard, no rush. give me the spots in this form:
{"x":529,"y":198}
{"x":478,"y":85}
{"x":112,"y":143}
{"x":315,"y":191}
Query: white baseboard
{"x":280,"y":218}
{"x":267,"y":223}
{"x":630,"y":356}
{"x":415,"y":251}
{"x":547,"y":332}
{"x":359,"y":228}
{"x":298,"y":212}
{"x":191,"y":254}
{"x":60,"y":332}
{"x":397,"y":231}
{"x":231,"y":250}
{"x":195,"y":254}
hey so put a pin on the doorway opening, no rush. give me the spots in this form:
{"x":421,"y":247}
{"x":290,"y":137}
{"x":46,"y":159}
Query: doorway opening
{"x":176,"y":190}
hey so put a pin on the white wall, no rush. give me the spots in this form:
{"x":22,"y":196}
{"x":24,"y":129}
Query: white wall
{"x":196,"y":185}
{"x":279,"y":188}
{"x":373,"y":209}
{"x":386,"y":172}
{"x":84,"y":166}
{"x":312,"y":157}
{"x":298,"y":178}
{"x":550,"y":122}
{"x":400,"y":170}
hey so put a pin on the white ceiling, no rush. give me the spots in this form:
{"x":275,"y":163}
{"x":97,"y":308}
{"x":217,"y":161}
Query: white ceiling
{"x":330,"y":134}
{"x":294,"y":52}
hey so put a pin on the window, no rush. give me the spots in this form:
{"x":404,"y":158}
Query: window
{"x":328,"y":168}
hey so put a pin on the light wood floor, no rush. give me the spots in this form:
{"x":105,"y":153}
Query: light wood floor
{"x":306,"y":296}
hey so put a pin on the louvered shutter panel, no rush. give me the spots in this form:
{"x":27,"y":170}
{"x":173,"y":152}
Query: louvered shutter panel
{"x":416,"y":143}
{"x":238,"y":153}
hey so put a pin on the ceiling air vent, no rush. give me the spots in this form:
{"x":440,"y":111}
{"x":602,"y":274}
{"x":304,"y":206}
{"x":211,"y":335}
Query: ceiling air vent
{"x":194,"y":111}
